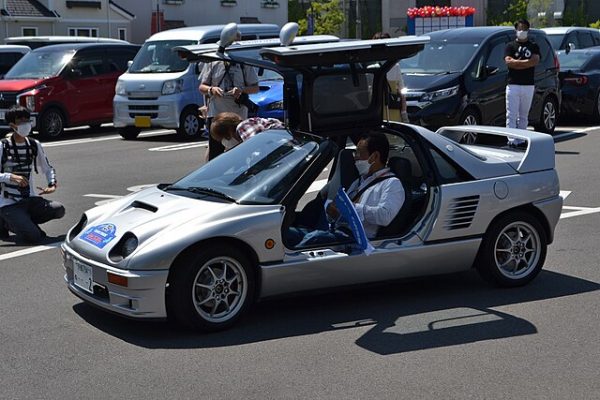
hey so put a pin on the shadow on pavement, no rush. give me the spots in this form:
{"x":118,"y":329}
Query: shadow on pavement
{"x":405,"y":316}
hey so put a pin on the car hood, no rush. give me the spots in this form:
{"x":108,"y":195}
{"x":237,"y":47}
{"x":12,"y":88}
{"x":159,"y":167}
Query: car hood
{"x":425,"y":83}
{"x":18,"y":85}
{"x":145,"y":214}
{"x":270,"y":91}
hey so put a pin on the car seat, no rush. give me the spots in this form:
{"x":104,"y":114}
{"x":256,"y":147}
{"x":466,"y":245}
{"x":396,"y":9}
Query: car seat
{"x":401,"y":167}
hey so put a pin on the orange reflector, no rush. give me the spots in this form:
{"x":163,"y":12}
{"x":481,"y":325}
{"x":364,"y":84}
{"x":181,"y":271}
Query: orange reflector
{"x":269,"y":244}
{"x":117,"y":279}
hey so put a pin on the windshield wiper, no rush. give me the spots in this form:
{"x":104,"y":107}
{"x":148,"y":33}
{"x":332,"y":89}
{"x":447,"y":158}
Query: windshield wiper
{"x":202,"y":190}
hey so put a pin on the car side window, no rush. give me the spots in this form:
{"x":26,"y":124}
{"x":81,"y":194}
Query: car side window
{"x":585,"y":40}
{"x":91,"y":64}
{"x":596,"y":38}
{"x":117,"y":60}
{"x":546,"y":53}
{"x":448,"y":171}
{"x":496,"y":57}
{"x":572,"y":38}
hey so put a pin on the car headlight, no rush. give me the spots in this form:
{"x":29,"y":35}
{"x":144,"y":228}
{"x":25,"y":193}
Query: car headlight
{"x":120,"y":89}
{"x":172,"y":86}
{"x":27,"y":99}
{"x":277,"y":105}
{"x":440,"y":94}
{"x":124,"y":248}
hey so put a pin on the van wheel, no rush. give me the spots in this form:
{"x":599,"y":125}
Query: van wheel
{"x":210,"y":289}
{"x":596,"y":114}
{"x":190,"y":124}
{"x":51,"y":123}
{"x":469,"y":117}
{"x":547,"y":121}
{"x":129,"y":132}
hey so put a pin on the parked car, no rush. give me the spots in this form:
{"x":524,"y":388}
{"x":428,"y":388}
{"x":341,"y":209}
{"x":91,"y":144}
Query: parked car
{"x":160,"y":90}
{"x":202,"y":249}
{"x":35,"y":42}
{"x":9,"y":55}
{"x":580,"y":82}
{"x":460,"y":78}
{"x":66,"y":85}
{"x":269,"y":99}
{"x":572,"y":37}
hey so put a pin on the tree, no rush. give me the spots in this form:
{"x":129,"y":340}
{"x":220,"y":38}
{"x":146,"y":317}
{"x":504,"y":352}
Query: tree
{"x":327,"y":18}
{"x":516,"y":10}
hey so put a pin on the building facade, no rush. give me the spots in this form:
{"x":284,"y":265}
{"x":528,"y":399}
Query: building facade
{"x":101,"y":18}
{"x":179,"y":13}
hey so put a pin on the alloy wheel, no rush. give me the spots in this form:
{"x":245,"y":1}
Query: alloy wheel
{"x":549,"y":115}
{"x":517,"y":250}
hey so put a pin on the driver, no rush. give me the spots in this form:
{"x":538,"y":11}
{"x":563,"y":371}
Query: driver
{"x":377,"y":194}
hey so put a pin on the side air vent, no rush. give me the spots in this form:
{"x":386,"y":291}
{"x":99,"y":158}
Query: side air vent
{"x":461,"y":212}
{"x":145,"y":206}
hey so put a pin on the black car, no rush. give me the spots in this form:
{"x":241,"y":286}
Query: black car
{"x":580,"y":82}
{"x":460,"y":79}
{"x":572,"y":37}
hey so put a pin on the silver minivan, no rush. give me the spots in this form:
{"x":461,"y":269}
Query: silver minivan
{"x":160,"y":89}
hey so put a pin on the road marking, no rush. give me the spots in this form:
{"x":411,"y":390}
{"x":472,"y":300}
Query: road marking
{"x":32,"y":250}
{"x":573,"y":133}
{"x":176,"y":147}
{"x":564,"y":194}
{"x":579,"y":211}
{"x":102,"y":139}
{"x":103,"y":196}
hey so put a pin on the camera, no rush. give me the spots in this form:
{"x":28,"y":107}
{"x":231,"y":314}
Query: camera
{"x":244,"y":100}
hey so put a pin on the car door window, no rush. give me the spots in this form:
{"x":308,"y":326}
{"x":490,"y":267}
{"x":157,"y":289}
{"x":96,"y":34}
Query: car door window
{"x":117,"y":60}
{"x":572,"y":38}
{"x":496,"y":57}
{"x":89,"y":65}
{"x":585,"y":40}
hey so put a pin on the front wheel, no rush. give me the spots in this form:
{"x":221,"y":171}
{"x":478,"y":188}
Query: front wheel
{"x":547,"y":121}
{"x":129,"y":132}
{"x":190,"y":124}
{"x":211,"y":289}
{"x":513,"y":250}
{"x":469,"y":117}
{"x":51,"y":123}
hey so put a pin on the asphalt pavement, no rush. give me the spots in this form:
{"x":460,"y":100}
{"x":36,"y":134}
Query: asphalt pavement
{"x":450,"y":337}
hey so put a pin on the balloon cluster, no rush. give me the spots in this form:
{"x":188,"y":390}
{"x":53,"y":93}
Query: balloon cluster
{"x":435,"y":11}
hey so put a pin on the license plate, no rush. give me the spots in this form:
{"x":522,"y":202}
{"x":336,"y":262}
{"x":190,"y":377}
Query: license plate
{"x":142,"y":121}
{"x":82,"y":276}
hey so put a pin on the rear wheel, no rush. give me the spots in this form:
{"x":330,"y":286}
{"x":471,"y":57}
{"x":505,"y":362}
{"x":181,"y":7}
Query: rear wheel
{"x":190,"y":124}
{"x":51,"y":123}
{"x":129,"y":132}
{"x":547,"y":121}
{"x":211,"y":288}
{"x":513,"y":250}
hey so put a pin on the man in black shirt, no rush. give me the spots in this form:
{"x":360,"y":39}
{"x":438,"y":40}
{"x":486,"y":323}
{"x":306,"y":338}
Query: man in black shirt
{"x":521,"y":57}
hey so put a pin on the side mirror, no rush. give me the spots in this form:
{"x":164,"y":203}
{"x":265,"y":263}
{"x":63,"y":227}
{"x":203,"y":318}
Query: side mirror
{"x":129,"y":63}
{"x":288,"y":33}
{"x":490,"y":70}
{"x":570,"y":46}
{"x":229,"y":34}
{"x":74,"y":73}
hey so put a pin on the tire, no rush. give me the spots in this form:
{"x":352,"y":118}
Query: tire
{"x":596,"y":112}
{"x":190,"y":124}
{"x":129,"y":132}
{"x":548,"y":117}
{"x":210,"y":289}
{"x":513,"y":250}
{"x":469,"y":117}
{"x":51,"y":124}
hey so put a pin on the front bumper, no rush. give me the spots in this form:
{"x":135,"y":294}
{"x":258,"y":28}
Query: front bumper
{"x":143,"y":298}
{"x":162,"y":111}
{"x":4,"y":125}
{"x":435,"y":114}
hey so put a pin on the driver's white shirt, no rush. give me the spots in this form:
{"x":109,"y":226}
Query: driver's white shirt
{"x":380,"y":203}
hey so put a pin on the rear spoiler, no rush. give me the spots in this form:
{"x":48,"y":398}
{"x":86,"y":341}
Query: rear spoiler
{"x":539,"y":154}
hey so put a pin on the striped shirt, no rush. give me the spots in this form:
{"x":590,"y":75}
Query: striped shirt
{"x":24,"y":170}
{"x":251,"y":126}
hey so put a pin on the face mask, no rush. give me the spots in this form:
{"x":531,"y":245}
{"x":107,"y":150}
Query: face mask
{"x":229,"y":143}
{"x":24,"y":129}
{"x":522,"y":35}
{"x":362,"y":166}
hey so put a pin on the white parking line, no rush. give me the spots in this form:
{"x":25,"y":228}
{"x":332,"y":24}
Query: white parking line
{"x":31,"y":250}
{"x":105,"y":138}
{"x":182,"y":146}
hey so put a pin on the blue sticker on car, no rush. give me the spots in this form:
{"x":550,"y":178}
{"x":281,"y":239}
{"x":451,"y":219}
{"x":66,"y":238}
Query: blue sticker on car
{"x":99,"y":235}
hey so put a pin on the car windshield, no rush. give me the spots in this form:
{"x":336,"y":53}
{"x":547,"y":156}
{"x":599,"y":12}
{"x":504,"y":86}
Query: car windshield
{"x":439,"y":58}
{"x":158,"y":56}
{"x":40,"y":64}
{"x":555,"y":40}
{"x":573,"y":60}
{"x":258,"y":171}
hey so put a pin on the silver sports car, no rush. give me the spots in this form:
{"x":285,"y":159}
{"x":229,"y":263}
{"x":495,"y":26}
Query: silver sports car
{"x":202,"y":249}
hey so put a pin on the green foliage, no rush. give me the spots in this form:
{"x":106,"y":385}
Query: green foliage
{"x":575,"y":16}
{"x":595,"y":25}
{"x":327,"y":17}
{"x":516,"y":10}
{"x":295,"y":11}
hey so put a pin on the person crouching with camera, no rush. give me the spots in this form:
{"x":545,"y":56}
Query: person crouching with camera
{"x":229,"y":130}
{"x":226,"y":85}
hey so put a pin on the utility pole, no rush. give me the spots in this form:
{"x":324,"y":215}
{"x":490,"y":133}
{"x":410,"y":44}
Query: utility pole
{"x":358,"y":23}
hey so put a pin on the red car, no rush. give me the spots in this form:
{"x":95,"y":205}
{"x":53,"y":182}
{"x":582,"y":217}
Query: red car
{"x":66,"y":85}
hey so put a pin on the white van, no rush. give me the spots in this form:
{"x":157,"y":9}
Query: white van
{"x":160,"y":90}
{"x":9,"y":55}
